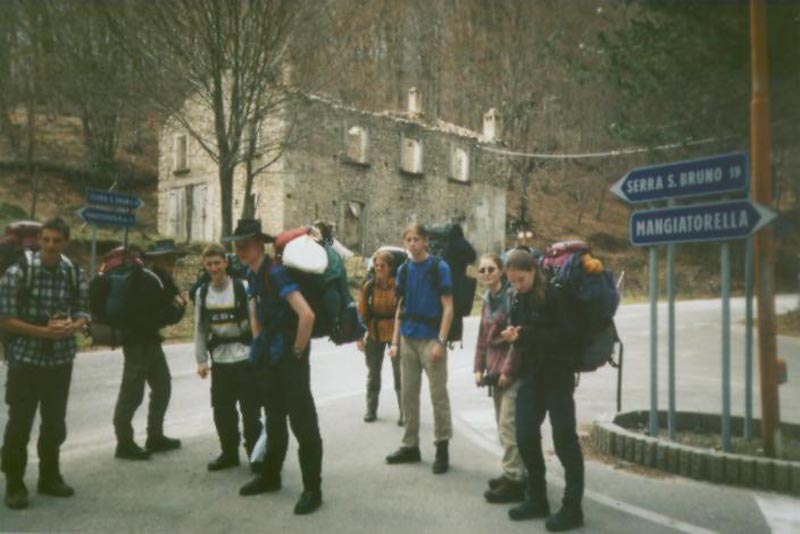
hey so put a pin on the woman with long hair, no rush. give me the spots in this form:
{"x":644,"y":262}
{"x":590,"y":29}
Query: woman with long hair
{"x":543,"y":331}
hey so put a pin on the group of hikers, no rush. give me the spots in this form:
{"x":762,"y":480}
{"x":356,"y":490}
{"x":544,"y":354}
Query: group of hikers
{"x":252,"y":335}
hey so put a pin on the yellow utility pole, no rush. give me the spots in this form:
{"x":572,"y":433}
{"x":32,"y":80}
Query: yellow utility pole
{"x":764,"y":252}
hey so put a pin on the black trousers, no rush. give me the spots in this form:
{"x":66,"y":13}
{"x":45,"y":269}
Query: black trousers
{"x":144,"y":362}
{"x":550,"y":394}
{"x":233,"y":383}
{"x":374,"y":353}
{"x":29,"y":387}
{"x":287,"y":393}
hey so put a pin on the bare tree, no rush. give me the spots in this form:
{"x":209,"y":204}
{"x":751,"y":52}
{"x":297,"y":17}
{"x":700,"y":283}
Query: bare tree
{"x":226,"y":55}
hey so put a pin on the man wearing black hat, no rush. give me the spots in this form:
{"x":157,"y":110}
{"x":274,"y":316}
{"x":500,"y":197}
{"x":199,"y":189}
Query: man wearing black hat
{"x":156,"y":303}
{"x":282,"y":324}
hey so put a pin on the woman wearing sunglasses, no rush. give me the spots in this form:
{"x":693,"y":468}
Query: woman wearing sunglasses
{"x":496,"y":366}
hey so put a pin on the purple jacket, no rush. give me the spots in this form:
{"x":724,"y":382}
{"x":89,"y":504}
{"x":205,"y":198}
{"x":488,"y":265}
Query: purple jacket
{"x":492,"y":354}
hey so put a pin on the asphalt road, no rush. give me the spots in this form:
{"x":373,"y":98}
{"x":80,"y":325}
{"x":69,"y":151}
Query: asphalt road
{"x":174,"y":493}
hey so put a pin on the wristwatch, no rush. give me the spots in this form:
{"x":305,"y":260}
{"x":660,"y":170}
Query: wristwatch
{"x":298,"y":353}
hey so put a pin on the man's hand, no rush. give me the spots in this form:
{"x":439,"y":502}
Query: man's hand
{"x":437,"y":352}
{"x":478,"y":378}
{"x":360,"y":345}
{"x":58,"y":329}
{"x":202,"y":370}
{"x":180,"y":300}
{"x":393,"y":351}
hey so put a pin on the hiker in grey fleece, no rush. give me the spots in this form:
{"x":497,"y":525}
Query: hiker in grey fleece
{"x":222,"y":331}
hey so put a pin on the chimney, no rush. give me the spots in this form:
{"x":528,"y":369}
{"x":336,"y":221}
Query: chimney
{"x":414,"y":102}
{"x":492,"y":126}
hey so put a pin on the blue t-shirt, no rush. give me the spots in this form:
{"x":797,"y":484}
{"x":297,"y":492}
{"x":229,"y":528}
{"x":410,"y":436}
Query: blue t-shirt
{"x":276,"y":318}
{"x":422,"y":299}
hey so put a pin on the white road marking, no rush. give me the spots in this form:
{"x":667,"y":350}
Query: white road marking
{"x":782,"y":513}
{"x":491,"y":446}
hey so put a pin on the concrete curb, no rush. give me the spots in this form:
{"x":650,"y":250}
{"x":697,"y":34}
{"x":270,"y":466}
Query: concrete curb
{"x":612,"y":437}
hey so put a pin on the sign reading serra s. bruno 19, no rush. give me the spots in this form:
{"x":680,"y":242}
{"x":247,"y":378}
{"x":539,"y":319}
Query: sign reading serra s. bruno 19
{"x":724,"y":174}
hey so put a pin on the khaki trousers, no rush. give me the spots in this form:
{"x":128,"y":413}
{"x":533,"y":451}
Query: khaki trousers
{"x":505,"y":401}
{"x":414,"y":358}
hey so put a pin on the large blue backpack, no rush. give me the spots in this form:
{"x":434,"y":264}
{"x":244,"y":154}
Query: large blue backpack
{"x":596,"y":301}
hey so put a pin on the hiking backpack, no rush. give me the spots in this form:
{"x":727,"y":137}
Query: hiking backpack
{"x":241,"y":313}
{"x":327,"y":293}
{"x":17,"y":247}
{"x":111,"y":293}
{"x":596,"y":299}
{"x":447,"y":242}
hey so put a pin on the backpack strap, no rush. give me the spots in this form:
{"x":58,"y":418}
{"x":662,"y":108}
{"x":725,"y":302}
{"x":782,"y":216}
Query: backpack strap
{"x":25,"y":264}
{"x":202,"y":300}
{"x":240,"y":300}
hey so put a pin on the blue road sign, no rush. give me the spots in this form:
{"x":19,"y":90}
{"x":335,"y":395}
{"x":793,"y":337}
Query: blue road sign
{"x":725,"y":173}
{"x":103,"y":217}
{"x":115,"y":200}
{"x":717,"y":221}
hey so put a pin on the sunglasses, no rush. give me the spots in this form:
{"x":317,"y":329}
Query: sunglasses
{"x":486,"y":270}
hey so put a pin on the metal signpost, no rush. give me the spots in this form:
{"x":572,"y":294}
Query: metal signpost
{"x":723,"y":174}
{"x":108,"y":214}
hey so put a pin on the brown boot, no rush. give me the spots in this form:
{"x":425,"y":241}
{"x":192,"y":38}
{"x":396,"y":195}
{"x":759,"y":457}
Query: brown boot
{"x":506,"y":491}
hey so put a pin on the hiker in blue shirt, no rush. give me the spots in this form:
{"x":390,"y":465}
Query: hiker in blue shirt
{"x":425,"y":313}
{"x":282,"y":323}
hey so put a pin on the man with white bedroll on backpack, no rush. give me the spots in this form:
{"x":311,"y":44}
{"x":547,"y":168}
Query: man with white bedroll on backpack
{"x":155,"y":303}
{"x":222,"y":330}
{"x":282,"y":326}
{"x":40,"y":356}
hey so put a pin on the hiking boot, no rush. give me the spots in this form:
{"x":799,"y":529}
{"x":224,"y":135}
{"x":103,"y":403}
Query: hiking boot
{"x":568,"y":518}
{"x":442,"y":461}
{"x":16,"y":495}
{"x":55,"y":487}
{"x":404,"y":455}
{"x":223,"y":461}
{"x":260,"y":484}
{"x":162,"y":443}
{"x":370,"y":416}
{"x":505,"y":492}
{"x":309,"y":501}
{"x":131,"y":451}
{"x":530,"y":509}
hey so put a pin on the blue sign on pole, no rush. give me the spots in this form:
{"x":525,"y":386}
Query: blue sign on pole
{"x":91,"y":215}
{"x":115,"y":200}
{"x":725,"y":173}
{"x":718,"y":221}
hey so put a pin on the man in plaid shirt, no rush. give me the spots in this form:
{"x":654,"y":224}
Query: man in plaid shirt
{"x":43,"y":305}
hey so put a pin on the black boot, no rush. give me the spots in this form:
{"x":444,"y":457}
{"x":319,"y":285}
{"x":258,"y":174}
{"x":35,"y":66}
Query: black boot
{"x":162,"y":443}
{"x":309,"y":501}
{"x":535,"y":506}
{"x":131,"y":451}
{"x":507,"y":491}
{"x":442,"y":462}
{"x":224,"y":461}
{"x":261,"y":484}
{"x":568,"y":518}
{"x":16,"y":495}
{"x":54,"y":486}
{"x":404,"y":455}
{"x":372,"y":407}
{"x":494,"y":482}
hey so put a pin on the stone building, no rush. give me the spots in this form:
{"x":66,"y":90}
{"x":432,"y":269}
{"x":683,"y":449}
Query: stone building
{"x":369,"y":173}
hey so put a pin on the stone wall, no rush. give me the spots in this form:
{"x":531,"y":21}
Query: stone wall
{"x":369,"y":201}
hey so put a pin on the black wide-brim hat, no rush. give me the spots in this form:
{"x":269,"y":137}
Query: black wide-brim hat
{"x":164,"y":247}
{"x":246,"y":229}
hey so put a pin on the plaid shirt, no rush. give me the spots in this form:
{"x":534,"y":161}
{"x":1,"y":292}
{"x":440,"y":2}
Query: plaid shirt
{"x":49,"y":294}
